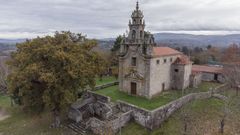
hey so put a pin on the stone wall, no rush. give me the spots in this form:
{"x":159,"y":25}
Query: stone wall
{"x":160,"y":74}
{"x":159,"y":115}
{"x":121,"y":121}
{"x":97,"y":126}
{"x":141,"y":68}
{"x":106,"y":85}
{"x":98,"y":97}
{"x":153,"y":119}
{"x":140,"y":115}
{"x":195,"y":80}
{"x":210,"y":77}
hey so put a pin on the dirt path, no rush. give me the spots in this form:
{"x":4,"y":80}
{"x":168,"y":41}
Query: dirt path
{"x":3,"y":114}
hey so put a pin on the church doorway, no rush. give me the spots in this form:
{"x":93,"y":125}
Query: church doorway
{"x":163,"y":86}
{"x":215,"y":77}
{"x":133,"y":88}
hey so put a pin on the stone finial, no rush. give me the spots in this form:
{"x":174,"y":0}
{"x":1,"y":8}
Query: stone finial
{"x":137,"y":6}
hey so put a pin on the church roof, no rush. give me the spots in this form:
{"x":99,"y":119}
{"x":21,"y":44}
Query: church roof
{"x":207,"y":69}
{"x":182,"y":60}
{"x":164,"y":51}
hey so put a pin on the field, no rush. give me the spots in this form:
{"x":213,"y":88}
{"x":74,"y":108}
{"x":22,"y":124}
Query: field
{"x":162,"y":99}
{"x":202,"y":118}
{"x":19,"y":123}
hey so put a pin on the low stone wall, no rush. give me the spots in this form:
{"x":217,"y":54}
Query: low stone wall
{"x":106,"y":85}
{"x":140,"y":115}
{"x":221,"y":88}
{"x":159,"y":115}
{"x":153,"y":119}
{"x":98,"y":97}
{"x":149,"y":119}
{"x":97,"y":126}
{"x":121,"y":121}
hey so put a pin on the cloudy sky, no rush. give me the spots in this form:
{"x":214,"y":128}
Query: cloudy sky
{"x":109,"y":18}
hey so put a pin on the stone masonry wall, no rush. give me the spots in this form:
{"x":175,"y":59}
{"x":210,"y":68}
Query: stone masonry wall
{"x":153,"y":119}
{"x":121,"y":121}
{"x":140,"y":115}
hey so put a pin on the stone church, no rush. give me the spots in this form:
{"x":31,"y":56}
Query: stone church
{"x":145,"y":69}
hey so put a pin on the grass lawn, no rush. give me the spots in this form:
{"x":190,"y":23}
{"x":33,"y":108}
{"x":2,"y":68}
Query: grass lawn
{"x":20,"y":123}
{"x":105,"y":79}
{"x":162,"y":99}
{"x":203,"y":118}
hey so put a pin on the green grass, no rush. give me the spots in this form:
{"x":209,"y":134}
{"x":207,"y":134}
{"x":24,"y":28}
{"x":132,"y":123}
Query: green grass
{"x":202,"y":117}
{"x":20,"y":123}
{"x":162,"y":99}
{"x":5,"y":101}
{"x":205,"y":86}
{"x":105,"y":79}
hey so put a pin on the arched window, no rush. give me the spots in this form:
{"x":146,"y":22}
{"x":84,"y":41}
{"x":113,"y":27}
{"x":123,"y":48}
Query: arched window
{"x":140,"y":21}
{"x":144,"y":49}
{"x":133,"y":34}
{"x":141,"y":34}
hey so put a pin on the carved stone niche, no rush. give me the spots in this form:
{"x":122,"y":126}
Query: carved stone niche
{"x":133,"y":74}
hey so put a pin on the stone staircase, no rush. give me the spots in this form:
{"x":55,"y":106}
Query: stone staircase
{"x":77,"y":128}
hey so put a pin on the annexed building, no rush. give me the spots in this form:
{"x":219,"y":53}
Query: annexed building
{"x":210,"y":73}
{"x":195,"y":79}
{"x":147,"y":70}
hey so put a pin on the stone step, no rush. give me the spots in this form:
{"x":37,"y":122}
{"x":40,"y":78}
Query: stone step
{"x":77,"y":128}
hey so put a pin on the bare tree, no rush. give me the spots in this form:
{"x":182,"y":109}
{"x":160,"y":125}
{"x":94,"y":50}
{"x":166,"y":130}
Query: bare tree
{"x":3,"y":74}
{"x":232,"y":75}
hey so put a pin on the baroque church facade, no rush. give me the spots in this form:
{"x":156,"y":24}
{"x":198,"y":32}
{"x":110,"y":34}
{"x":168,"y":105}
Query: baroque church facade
{"x":145,"y":69}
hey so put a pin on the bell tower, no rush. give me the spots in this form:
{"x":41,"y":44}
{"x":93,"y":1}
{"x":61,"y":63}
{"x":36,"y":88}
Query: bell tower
{"x":136,"y":26}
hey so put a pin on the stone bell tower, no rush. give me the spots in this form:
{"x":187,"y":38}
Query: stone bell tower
{"x":136,"y":26}
{"x":134,"y":57}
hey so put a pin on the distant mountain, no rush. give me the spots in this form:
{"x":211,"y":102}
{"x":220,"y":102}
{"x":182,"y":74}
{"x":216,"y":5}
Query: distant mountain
{"x":11,"y":41}
{"x":196,"y":40}
{"x":167,"y":39}
{"x":7,"y":45}
{"x":174,"y":40}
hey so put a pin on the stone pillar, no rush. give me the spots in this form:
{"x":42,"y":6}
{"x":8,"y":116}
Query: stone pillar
{"x":121,"y":74}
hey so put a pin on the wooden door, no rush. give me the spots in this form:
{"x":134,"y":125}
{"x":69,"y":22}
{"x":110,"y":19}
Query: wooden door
{"x":133,"y":88}
{"x":163,"y":86}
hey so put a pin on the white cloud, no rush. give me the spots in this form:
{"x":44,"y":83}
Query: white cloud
{"x":108,"y":18}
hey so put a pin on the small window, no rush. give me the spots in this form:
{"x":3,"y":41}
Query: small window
{"x":171,"y":59}
{"x":176,"y":70}
{"x":134,"y":21}
{"x":134,"y":61}
{"x":144,"y":50}
{"x":165,"y":60}
{"x":133,"y":34}
{"x":158,"y":61}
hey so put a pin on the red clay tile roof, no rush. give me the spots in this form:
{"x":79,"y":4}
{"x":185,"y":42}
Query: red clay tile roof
{"x":164,"y":51}
{"x":182,"y":60}
{"x":208,"y":69}
{"x":195,"y":73}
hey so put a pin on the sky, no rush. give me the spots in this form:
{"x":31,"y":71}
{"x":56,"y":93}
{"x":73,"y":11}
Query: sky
{"x":109,"y":18}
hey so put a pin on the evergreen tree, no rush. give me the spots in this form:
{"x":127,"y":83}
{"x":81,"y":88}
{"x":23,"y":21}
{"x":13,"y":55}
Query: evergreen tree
{"x":50,"y":71}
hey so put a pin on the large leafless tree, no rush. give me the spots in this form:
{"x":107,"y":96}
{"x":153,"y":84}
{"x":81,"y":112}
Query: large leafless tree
{"x":232,"y":75}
